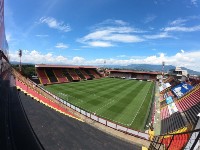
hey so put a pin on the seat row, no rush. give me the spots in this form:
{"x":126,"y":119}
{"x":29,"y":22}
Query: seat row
{"x":50,"y":75}
{"x":172,"y":123}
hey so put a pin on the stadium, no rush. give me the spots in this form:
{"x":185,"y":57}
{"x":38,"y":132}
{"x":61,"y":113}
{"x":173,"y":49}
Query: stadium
{"x":84,"y":107}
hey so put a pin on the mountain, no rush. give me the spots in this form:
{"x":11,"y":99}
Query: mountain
{"x":17,"y":63}
{"x":148,"y":67}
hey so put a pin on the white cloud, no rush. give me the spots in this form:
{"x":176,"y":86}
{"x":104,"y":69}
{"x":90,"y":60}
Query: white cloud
{"x":178,"y":22}
{"x":42,"y":35}
{"x":121,"y":22}
{"x":122,"y":56}
{"x":108,"y":36}
{"x":100,"y":44}
{"x":158,"y":36}
{"x":184,"y":59}
{"x":194,"y":2}
{"x":111,"y":22}
{"x":37,"y":57}
{"x":182,"y":29}
{"x":8,"y":37}
{"x":150,"y":18}
{"x":188,"y":59}
{"x":53,"y":23}
{"x":78,"y":60}
{"x":61,"y":45}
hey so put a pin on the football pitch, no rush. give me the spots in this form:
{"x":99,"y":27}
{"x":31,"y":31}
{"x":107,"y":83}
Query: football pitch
{"x":126,"y":102}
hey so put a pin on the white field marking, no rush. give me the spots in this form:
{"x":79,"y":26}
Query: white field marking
{"x":113,"y":121}
{"x":106,"y":104}
{"x":140,"y":107}
{"x":123,"y":115}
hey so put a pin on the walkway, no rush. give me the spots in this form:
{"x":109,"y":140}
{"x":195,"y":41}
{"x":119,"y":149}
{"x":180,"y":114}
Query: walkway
{"x":157,"y":121}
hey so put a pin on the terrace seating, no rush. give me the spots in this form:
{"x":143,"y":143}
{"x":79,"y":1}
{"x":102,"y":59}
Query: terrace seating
{"x":59,"y":74}
{"x":169,"y":80}
{"x":174,"y":141}
{"x":172,"y":123}
{"x":173,"y":83}
{"x":140,"y":77}
{"x":189,"y":100}
{"x":67,"y":75}
{"x":78,"y":72}
{"x":73,"y":74}
{"x":94,"y":74}
{"x":194,"y":81}
{"x":89,"y":73}
{"x":85,"y":74}
{"x":178,"y":142}
{"x":42,"y":76}
{"x":120,"y":75}
{"x":51,"y":75}
{"x":146,"y":77}
{"x":164,"y":113}
{"x":191,"y":114}
{"x":39,"y":97}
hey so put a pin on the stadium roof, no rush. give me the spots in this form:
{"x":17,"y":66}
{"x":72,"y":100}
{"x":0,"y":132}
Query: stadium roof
{"x":62,"y":66}
{"x":134,"y":71}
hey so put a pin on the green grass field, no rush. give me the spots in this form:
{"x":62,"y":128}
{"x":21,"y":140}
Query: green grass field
{"x":125,"y":102}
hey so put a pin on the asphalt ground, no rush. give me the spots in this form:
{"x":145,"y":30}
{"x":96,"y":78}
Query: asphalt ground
{"x":59,"y":132}
{"x":15,"y":130}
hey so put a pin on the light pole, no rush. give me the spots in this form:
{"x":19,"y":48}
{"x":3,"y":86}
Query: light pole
{"x":20,"y":55}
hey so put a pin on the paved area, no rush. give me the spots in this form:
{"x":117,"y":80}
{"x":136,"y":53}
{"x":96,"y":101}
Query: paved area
{"x":157,"y":121}
{"x":57,"y":131}
{"x":15,"y":131}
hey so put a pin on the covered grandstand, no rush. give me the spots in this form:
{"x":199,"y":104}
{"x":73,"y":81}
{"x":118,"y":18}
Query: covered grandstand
{"x":32,"y":117}
{"x":50,"y":74}
{"x":130,"y":74}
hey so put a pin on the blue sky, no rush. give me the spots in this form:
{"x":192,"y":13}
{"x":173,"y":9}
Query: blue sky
{"x":89,"y":32}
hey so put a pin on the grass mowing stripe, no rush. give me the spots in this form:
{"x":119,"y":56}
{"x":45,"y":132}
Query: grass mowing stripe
{"x":76,"y":93}
{"x":114,"y":99}
{"x":98,"y":82}
{"x":139,"y":120}
{"x":106,"y":93}
{"x":132,"y":107}
{"x":121,"y":104}
{"x":84,"y":86}
{"x":95,"y":87}
{"x":77,"y":96}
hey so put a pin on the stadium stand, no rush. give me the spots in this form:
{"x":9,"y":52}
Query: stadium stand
{"x":67,"y":75}
{"x":89,"y":73}
{"x":59,"y":75}
{"x":164,"y":113}
{"x":129,"y":74}
{"x":35,"y":92}
{"x":42,"y":76}
{"x":78,"y":72}
{"x":86,"y":76}
{"x":51,"y":75}
{"x":172,"y":123}
{"x":73,"y":74}
{"x":182,"y":139}
{"x":192,"y":113}
{"x":17,"y":131}
{"x":94,"y":73}
{"x":189,"y":100}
